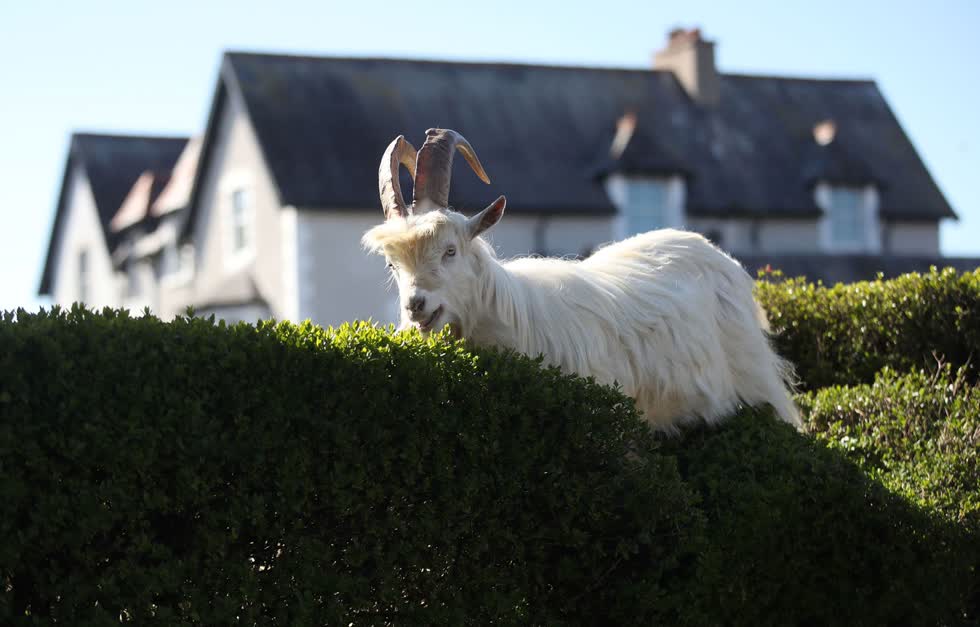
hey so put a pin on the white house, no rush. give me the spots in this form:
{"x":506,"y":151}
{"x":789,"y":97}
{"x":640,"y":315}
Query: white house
{"x":262,"y":215}
{"x":99,"y":173}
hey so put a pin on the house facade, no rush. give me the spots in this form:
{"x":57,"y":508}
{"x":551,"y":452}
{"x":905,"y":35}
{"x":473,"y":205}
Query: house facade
{"x":99,"y":173}
{"x":262,"y":215}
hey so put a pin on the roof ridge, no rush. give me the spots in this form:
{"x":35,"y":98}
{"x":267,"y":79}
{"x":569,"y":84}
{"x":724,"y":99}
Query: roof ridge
{"x":443,"y":62}
{"x":119,"y":135}
{"x":803,"y":79}
{"x":517,"y":64}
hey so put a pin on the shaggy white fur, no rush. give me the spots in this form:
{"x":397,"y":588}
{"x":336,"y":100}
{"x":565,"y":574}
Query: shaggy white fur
{"x":666,"y":315}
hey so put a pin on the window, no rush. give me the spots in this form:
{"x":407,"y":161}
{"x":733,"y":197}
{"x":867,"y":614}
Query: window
{"x":133,"y":279}
{"x":178,"y":264}
{"x":237,"y":214}
{"x":83,"y":276}
{"x":850,"y":222}
{"x":647,"y":206}
{"x":646,"y":203}
{"x":845,"y":209}
{"x":241,"y":221}
{"x":185,"y":260}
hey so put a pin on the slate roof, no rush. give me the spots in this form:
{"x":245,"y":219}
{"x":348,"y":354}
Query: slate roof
{"x":542,"y":132}
{"x":112,"y":164}
{"x":144,"y":193}
{"x":176,"y":195}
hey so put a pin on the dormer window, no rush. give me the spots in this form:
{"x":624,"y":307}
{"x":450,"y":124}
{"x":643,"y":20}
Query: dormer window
{"x":646,"y":203}
{"x":647,"y":206}
{"x":850,"y":222}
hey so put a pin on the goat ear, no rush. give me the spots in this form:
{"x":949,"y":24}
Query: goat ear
{"x":487,"y":218}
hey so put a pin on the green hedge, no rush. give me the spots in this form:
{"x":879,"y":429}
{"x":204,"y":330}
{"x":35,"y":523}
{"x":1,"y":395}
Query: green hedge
{"x":917,"y":433}
{"x":799,"y":535}
{"x":192,"y":473}
{"x":846,"y":333}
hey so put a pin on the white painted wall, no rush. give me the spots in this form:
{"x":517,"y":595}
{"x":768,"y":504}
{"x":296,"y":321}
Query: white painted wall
{"x":249,"y":313}
{"x":518,"y":235}
{"x":289,"y":248}
{"x":236,"y":161}
{"x":736,"y":234}
{"x":175,"y":289}
{"x":912,"y":238}
{"x":336,"y":279}
{"x":786,"y":236}
{"x":141,"y":273}
{"x":81,"y":230}
{"x":759,"y":235}
{"x":808,"y":236}
{"x":330,"y":279}
{"x":789,"y":236}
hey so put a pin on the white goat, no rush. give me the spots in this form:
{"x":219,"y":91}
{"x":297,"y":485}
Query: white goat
{"x":665,"y":314}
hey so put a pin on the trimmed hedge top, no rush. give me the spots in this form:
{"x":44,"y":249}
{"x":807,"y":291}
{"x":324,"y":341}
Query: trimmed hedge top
{"x":919,"y":433}
{"x":193,"y":473}
{"x":187,"y":473}
{"x":843,"y":335}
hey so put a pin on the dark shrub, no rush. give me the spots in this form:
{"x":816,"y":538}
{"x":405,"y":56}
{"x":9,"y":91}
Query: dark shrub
{"x":798,"y":535}
{"x":846,"y":333}
{"x":919,"y":434}
{"x":188,"y":473}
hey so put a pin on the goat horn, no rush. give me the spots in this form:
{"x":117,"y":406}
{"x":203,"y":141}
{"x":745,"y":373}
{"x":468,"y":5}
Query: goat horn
{"x":400,"y":152}
{"x":435,"y":167}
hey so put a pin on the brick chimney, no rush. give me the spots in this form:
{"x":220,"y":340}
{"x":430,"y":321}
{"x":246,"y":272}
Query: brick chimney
{"x":692,"y":60}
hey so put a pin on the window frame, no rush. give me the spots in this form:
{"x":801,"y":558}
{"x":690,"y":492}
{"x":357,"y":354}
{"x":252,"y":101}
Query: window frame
{"x":861,"y":211}
{"x":233,"y":187}
{"x":178,"y":264}
{"x":623,"y":190}
{"x":134,"y":282}
{"x":84,"y":275}
{"x":240,"y":223}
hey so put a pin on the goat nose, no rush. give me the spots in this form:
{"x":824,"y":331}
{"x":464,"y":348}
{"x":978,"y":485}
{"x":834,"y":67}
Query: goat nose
{"x":416,"y":304}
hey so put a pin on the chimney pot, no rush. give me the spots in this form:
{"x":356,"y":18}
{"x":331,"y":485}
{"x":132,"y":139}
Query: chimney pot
{"x":824,"y":132}
{"x":692,"y":60}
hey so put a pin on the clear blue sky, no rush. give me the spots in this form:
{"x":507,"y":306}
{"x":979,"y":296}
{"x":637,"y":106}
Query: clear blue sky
{"x":150,"y":68}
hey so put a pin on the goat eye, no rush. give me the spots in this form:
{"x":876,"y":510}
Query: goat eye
{"x":451,"y":251}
